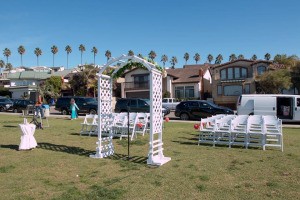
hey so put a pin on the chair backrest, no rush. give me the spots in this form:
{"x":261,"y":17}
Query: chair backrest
{"x":89,"y":118}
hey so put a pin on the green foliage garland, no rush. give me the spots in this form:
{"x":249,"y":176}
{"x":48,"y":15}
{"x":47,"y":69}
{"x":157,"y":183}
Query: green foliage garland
{"x":131,"y":65}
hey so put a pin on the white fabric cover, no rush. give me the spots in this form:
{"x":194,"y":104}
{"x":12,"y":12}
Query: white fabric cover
{"x":27,"y":139}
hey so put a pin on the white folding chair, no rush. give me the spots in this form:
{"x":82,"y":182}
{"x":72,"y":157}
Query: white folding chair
{"x":272,"y":127}
{"x":87,"y":124}
{"x":255,"y":133}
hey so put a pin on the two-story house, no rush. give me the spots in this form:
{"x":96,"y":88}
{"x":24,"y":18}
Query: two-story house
{"x":231,"y":79}
{"x":189,"y":82}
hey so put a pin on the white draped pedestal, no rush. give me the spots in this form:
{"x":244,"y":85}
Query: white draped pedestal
{"x":27,"y":139}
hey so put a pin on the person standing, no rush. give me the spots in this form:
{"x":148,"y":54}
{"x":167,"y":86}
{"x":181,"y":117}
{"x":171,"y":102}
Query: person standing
{"x":73,"y":108}
{"x":38,"y":107}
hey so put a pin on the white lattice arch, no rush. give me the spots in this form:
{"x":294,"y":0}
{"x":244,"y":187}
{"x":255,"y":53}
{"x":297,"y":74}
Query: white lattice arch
{"x":104,"y":144}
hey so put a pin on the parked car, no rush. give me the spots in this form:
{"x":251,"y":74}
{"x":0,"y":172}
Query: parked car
{"x":21,"y":104}
{"x":85,"y":105}
{"x":197,"y":109}
{"x":170,"y":103}
{"x":136,"y":105}
{"x":5,"y":104}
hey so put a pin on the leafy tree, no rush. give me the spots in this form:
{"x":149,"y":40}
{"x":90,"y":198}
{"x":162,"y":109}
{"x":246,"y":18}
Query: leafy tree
{"x":130,"y":53}
{"x":241,"y":56}
{"x":152,"y":55}
{"x":108,"y":54}
{"x":254,"y":57}
{"x":21,"y":51}
{"x":9,"y":66}
{"x":186,"y":57}
{"x":6,"y":53}
{"x":292,"y":63}
{"x":94,"y":51}
{"x":267,"y":56}
{"x":273,"y":82}
{"x":51,"y":88}
{"x":54,"y":51}
{"x":210,"y":58}
{"x":68,"y":49}
{"x":2,"y":65}
{"x":197,"y":57}
{"x":83,"y":82}
{"x":173,"y":62}
{"x":81,"y":49}
{"x":219,"y":59}
{"x":232,"y":57}
{"x":164,"y":59}
{"x":38,"y":52}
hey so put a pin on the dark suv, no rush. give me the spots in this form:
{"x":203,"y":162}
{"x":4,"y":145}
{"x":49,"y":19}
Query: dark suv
{"x":21,"y":104}
{"x":136,"y":105}
{"x":198,"y":109}
{"x":85,"y":105}
{"x":5,"y":104}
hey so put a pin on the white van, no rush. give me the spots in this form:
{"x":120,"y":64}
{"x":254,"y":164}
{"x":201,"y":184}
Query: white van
{"x":284,"y":106}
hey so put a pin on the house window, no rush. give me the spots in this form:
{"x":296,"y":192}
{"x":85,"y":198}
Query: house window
{"x":189,"y":92}
{"x":261,"y":70}
{"x":247,"y":89}
{"x":233,"y":73}
{"x":179,"y":92}
{"x":219,"y":90}
{"x":233,"y":90}
{"x":141,"y":81}
{"x":223,"y":74}
{"x":184,"y":92}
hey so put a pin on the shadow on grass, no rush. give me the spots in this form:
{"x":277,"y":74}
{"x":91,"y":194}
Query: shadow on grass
{"x":66,"y":149}
{"x":10,"y":146}
{"x":10,"y":126}
{"x":83,"y":152}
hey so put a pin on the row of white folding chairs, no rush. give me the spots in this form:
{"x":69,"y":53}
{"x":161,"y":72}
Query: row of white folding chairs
{"x":254,"y":130}
{"x":138,"y":124}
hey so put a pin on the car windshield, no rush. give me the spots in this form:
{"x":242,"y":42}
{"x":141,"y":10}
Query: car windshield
{"x":147,"y":101}
{"x":212,"y":104}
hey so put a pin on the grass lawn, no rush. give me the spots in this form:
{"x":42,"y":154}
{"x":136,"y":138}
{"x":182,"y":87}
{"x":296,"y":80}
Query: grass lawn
{"x":60,"y":168}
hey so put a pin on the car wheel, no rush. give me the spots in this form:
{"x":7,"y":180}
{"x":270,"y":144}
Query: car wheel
{"x":15,"y":110}
{"x":93,"y":112}
{"x":1,"y":109}
{"x":64,"y":112}
{"x":184,"y":116}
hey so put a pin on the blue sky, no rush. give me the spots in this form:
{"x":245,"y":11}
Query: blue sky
{"x":170,"y":27}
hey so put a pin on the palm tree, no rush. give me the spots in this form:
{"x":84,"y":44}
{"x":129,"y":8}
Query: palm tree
{"x":164,"y":59}
{"x":2,"y":64}
{"x":254,"y":57}
{"x":267,"y":56}
{"x":21,"y":51}
{"x":197,"y":57}
{"x":152,"y":55}
{"x":130,"y":53}
{"x":241,"y":56}
{"x":232,"y":57}
{"x":108,"y":54}
{"x":173,"y":62}
{"x":219,"y":59}
{"x":210,"y":58}
{"x":81,"y":49}
{"x":186,"y":57}
{"x":68,"y":49}
{"x":54,"y":50}
{"x":38,"y":52}
{"x":140,"y":55}
{"x":6,"y":53}
{"x":94,"y":51}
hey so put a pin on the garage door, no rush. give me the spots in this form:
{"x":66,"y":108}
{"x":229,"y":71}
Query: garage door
{"x":142,"y":95}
